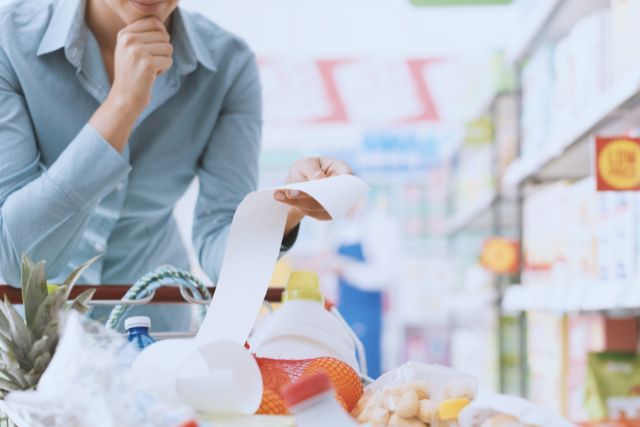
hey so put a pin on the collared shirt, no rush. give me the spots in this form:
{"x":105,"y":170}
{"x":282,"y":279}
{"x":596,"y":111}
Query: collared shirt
{"x":67,"y":195}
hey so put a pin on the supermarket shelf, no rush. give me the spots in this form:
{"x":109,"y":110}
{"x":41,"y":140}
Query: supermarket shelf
{"x":480,"y":216}
{"x":486,"y":105}
{"x":568,"y":155}
{"x":474,"y":216}
{"x":573,"y":297}
{"x":532,"y":30}
{"x":547,"y":22}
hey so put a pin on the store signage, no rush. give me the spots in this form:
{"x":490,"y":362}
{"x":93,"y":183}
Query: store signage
{"x":345,"y":91}
{"x":618,"y":163}
{"x":500,"y":255}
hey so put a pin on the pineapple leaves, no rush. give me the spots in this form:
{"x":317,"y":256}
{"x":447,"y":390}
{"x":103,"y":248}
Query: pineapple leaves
{"x":39,"y":347}
{"x":48,"y":312}
{"x":34,"y":290}
{"x":75,"y":275}
{"x":4,"y":324}
{"x":18,"y":331}
{"x":27,"y":345}
{"x":81,"y":303}
{"x":16,"y":377}
{"x":8,"y":385}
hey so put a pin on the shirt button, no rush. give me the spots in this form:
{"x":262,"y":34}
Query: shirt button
{"x":99,"y":247}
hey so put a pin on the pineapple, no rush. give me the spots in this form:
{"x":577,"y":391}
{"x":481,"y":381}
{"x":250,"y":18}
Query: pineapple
{"x":26,"y":345}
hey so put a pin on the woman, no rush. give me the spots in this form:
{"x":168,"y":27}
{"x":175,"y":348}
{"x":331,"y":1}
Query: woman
{"x":108,"y":110}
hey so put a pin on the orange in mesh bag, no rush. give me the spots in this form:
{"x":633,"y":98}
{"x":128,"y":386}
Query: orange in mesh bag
{"x":278,"y":373}
{"x":307,"y":336}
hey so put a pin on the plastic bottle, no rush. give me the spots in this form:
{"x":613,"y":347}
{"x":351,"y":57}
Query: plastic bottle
{"x":138,"y":331}
{"x":303,"y":328}
{"x":312,"y":403}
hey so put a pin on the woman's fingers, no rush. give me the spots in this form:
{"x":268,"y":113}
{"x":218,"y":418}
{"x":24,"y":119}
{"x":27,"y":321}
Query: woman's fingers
{"x":332,"y":167}
{"x":310,"y":169}
{"x":160,"y":49}
{"x":304,"y":203}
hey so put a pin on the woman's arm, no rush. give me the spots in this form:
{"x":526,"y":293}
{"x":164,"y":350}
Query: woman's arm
{"x":228,"y":169}
{"x":43,"y":212}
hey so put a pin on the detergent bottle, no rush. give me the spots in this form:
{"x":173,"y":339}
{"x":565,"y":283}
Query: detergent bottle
{"x":303,"y":328}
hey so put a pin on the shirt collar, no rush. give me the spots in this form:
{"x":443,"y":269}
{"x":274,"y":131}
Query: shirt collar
{"x":67,"y":30}
{"x":189,"y":47}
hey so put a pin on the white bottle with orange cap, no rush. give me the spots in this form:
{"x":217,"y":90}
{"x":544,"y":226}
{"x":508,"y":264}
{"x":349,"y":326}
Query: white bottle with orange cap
{"x":303,"y":328}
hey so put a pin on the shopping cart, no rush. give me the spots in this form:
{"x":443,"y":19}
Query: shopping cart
{"x":165,"y":285}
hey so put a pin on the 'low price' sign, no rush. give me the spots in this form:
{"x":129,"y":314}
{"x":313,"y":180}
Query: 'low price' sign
{"x":618,"y":163}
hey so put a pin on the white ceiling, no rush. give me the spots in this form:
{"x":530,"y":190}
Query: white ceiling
{"x":358,"y":27}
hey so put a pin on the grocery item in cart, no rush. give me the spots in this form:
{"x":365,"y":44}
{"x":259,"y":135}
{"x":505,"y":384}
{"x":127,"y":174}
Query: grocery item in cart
{"x":303,"y":337}
{"x":214,"y":373}
{"x":138,"y":331}
{"x":278,"y":373}
{"x":499,"y":410}
{"x":312,"y":402}
{"x":416,"y":395}
{"x":303,"y":328}
{"x":29,"y":342}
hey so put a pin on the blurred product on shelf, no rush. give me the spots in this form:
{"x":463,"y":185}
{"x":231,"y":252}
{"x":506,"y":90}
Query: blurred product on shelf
{"x":613,"y":385}
{"x":416,"y":395}
{"x":568,"y":81}
{"x":589,"y":333}
{"x":585,"y":241}
{"x":473,"y":170}
{"x":546,"y":344}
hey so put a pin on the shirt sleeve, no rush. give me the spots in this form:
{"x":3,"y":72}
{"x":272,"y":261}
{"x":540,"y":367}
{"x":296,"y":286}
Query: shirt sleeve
{"x":228,"y":168}
{"x":43,"y":211}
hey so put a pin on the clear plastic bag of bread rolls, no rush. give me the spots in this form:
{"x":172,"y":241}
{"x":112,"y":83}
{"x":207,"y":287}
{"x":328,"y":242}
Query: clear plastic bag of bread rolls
{"x":416,"y":395}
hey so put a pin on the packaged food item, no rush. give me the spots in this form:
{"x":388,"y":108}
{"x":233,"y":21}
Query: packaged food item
{"x":416,"y":395}
{"x":613,"y":381}
{"x":312,"y":402}
{"x":498,"y":410}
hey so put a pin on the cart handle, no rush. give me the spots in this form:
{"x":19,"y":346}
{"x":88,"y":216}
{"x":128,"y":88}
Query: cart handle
{"x":164,"y":295}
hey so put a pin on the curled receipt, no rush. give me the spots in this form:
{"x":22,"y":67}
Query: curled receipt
{"x":252,"y":251}
{"x":214,"y":373}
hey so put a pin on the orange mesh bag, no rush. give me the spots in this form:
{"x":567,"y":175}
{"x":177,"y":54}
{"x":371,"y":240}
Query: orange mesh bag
{"x":277,"y":373}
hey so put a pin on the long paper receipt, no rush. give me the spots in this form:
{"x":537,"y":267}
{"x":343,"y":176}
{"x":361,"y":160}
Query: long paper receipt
{"x":252,"y":251}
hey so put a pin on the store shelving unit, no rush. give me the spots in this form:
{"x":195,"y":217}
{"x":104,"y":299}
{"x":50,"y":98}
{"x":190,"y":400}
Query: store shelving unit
{"x":580,"y":297}
{"x":492,"y":213}
{"x":547,"y":20}
{"x":569,"y":153}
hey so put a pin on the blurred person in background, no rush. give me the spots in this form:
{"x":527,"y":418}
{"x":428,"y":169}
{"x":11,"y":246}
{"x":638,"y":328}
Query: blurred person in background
{"x":367,"y":259}
{"x":108,"y":111}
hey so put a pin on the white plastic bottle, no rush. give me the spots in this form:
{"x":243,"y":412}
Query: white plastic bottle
{"x":312,"y":403}
{"x":303,"y":328}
